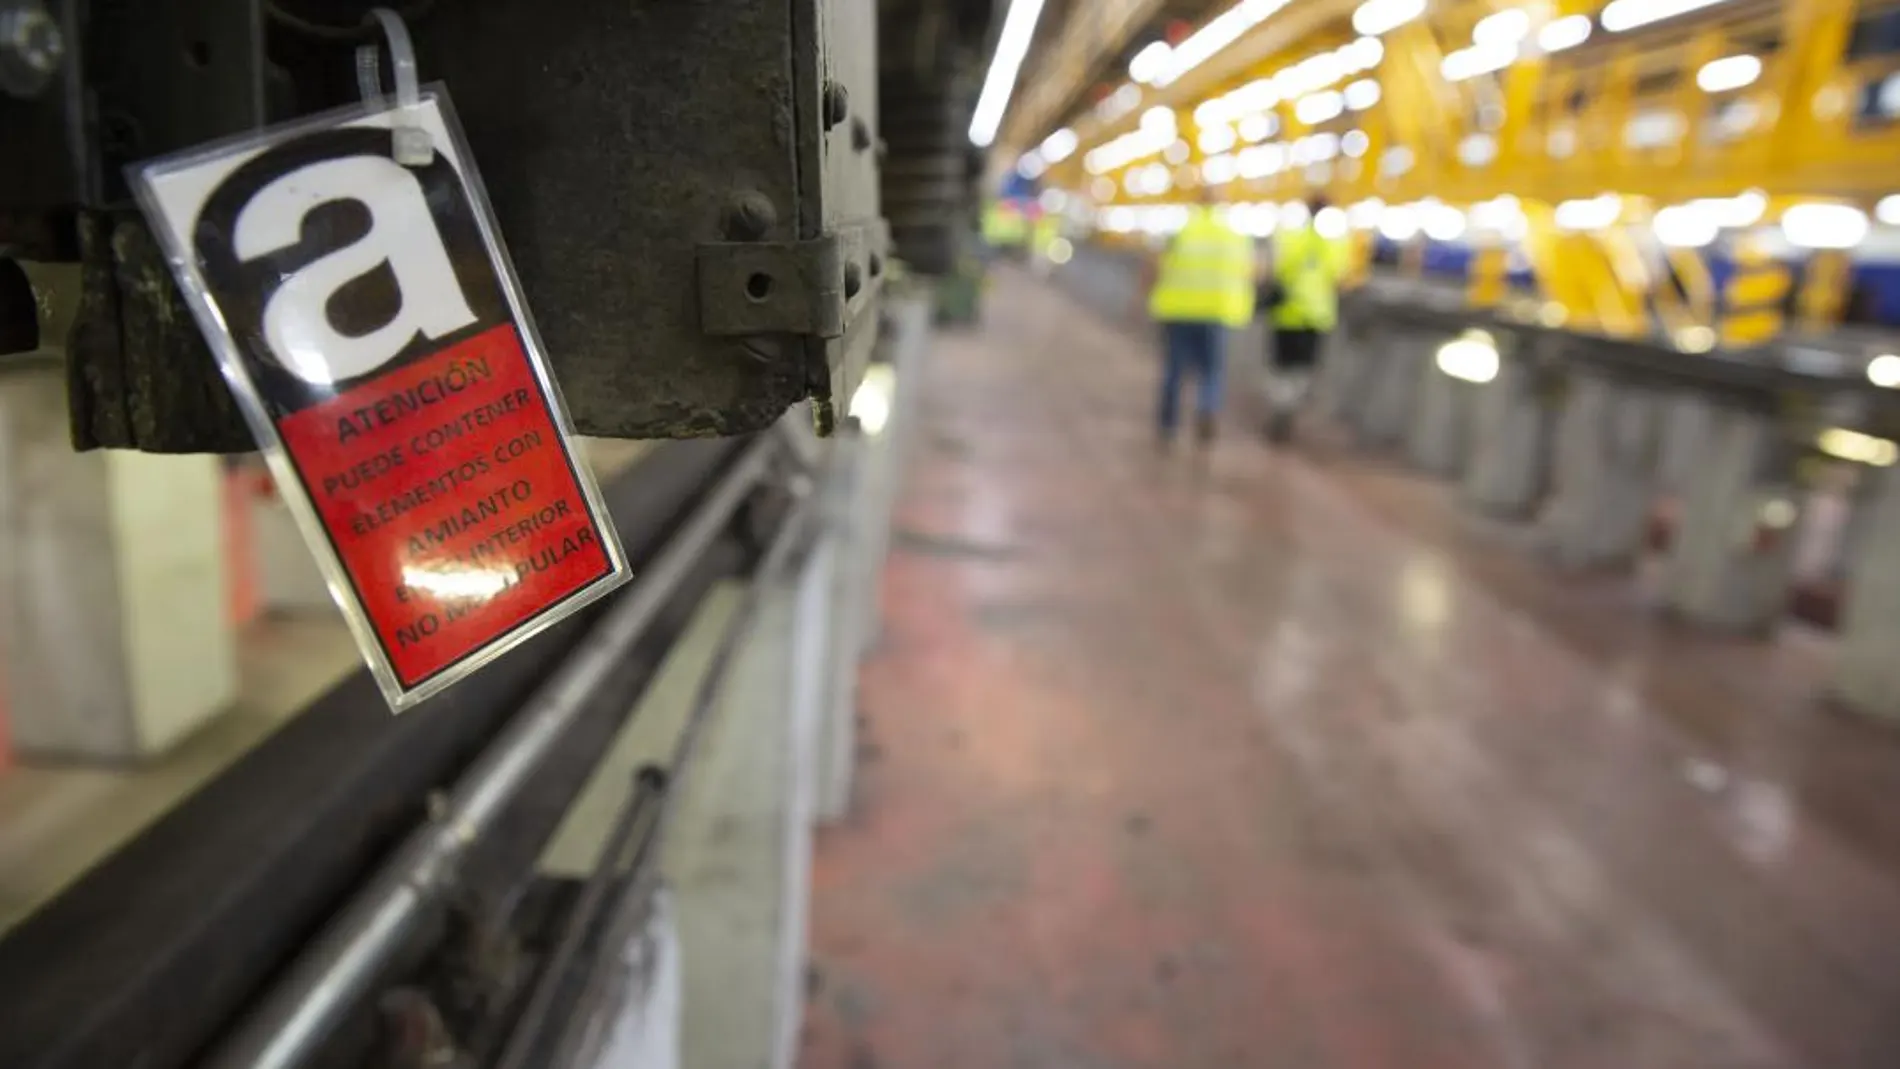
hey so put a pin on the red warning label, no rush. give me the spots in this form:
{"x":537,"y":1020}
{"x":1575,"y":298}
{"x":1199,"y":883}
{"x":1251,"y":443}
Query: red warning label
{"x":450,"y":498}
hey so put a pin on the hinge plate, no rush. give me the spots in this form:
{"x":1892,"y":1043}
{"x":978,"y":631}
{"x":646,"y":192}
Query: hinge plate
{"x":812,"y":288}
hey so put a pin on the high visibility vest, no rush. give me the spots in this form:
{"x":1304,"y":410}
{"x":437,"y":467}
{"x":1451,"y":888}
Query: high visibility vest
{"x":1003,"y":224}
{"x":1308,"y":268}
{"x":1206,"y":275}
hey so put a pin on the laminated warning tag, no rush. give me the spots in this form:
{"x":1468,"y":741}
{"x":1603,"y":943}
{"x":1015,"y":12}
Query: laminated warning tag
{"x":354,"y":284}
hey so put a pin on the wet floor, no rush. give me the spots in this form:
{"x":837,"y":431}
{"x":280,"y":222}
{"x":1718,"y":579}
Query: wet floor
{"x":1280,"y":761}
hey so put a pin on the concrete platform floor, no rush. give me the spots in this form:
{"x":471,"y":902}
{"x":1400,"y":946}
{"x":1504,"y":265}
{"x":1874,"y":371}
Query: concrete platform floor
{"x":1285,"y":763}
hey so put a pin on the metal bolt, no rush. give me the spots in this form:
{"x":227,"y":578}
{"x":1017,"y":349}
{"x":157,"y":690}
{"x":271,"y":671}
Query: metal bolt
{"x":837,"y":103}
{"x":860,"y":135}
{"x":31,"y":47}
{"x":750,"y":216}
{"x":853,"y":280}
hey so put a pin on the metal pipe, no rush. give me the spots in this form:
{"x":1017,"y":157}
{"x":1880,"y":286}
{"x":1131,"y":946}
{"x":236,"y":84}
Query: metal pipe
{"x":571,"y":1045}
{"x":626,"y":844}
{"x":346,"y":960}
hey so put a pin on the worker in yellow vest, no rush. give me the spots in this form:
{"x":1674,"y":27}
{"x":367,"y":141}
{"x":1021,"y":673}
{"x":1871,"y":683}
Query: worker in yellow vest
{"x":1004,"y":228}
{"x":1309,"y":259}
{"x":1203,"y":288}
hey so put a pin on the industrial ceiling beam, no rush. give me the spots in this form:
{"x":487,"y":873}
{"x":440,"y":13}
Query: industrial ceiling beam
{"x":1232,"y":64}
{"x":1091,"y":34}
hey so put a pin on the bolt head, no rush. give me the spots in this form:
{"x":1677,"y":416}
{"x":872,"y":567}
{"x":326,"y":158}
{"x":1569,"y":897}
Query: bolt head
{"x":34,"y":37}
{"x":750,"y":216}
{"x":31,"y":48}
{"x":837,"y":103}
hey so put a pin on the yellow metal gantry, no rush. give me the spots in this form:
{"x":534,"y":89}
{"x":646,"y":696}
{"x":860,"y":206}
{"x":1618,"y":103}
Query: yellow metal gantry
{"x":1604,"y":146}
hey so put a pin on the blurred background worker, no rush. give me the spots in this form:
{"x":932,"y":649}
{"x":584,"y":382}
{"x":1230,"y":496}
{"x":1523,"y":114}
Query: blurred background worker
{"x":1203,"y":287}
{"x":1302,"y":296}
{"x":1005,"y":229}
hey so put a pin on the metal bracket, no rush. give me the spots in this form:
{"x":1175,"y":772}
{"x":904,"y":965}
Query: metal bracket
{"x":760,"y":287}
{"x":813,"y":288}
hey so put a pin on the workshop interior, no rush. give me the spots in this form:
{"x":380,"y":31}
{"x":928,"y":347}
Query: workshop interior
{"x":1048,"y":534}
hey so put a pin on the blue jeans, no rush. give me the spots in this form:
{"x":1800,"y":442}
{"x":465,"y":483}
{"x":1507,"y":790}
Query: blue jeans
{"x":1196,"y":349}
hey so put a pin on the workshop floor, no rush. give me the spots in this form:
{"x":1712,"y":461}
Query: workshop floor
{"x":1284,"y":762}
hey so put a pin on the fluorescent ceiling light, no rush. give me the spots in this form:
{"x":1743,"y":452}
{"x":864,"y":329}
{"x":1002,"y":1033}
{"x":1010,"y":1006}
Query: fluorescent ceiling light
{"x":1441,"y":222}
{"x":1219,"y":32}
{"x":1254,"y":220}
{"x":1375,"y":17}
{"x":1477,"y":150}
{"x":1318,"y":148}
{"x":1262,"y":160}
{"x":1743,"y":209}
{"x":1888,"y":210}
{"x":1119,"y":103}
{"x":1728,"y":73}
{"x":1654,"y":128}
{"x":1218,"y":170}
{"x":1593,"y":214}
{"x":1320,"y":107}
{"x":1478,"y":59}
{"x":1059,"y":146}
{"x":1567,"y":32}
{"x":1019,"y":26}
{"x":1687,"y":226}
{"x":1623,"y":15}
{"x":1503,"y":216}
{"x":1399,"y":223}
{"x":1216,"y":139}
{"x":1824,"y":226}
{"x":1506,"y":27}
{"x":1362,"y":94}
{"x":1149,"y":62}
{"x":1364,"y":53}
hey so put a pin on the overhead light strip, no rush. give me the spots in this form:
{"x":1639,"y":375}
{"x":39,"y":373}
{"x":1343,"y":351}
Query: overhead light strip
{"x":1621,"y":15}
{"x":1019,"y":28}
{"x":1223,"y":30}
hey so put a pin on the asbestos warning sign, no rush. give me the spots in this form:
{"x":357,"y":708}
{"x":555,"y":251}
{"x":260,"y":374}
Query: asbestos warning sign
{"x":368,"y":321}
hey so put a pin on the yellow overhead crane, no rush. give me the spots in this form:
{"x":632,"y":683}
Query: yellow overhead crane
{"x":1606,"y":146}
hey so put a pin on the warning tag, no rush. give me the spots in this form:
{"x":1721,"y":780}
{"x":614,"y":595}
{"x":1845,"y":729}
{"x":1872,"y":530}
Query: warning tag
{"x":369,"y":323}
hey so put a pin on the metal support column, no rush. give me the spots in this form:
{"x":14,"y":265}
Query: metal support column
{"x":1398,"y":359}
{"x":1339,"y":391}
{"x":1439,"y":437}
{"x":1866,"y":667}
{"x":1730,"y":561}
{"x":1511,"y":451}
{"x":1605,"y":474}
